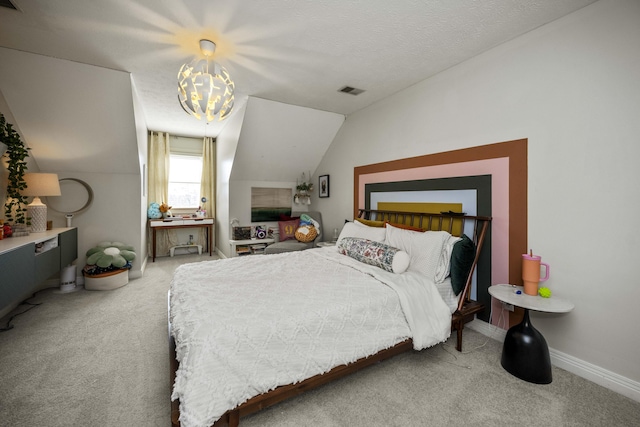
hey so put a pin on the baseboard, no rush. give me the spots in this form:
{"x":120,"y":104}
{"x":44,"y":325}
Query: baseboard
{"x":220,"y":254}
{"x":488,"y":330}
{"x":596,"y":374}
{"x":143,"y":267}
{"x":586,"y":370}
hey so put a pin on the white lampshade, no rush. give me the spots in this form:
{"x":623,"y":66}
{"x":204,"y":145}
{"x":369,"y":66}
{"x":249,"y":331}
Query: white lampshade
{"x":40,"y":184}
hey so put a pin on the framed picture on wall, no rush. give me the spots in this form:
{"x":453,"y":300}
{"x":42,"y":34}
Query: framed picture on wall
{"x":323,"y":184}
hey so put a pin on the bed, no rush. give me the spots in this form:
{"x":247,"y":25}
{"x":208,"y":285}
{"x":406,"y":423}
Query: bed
{"x":246,"y":333}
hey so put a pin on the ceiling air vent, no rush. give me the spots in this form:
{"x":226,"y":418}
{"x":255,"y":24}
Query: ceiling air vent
{"x":7,"y":4}
{"x":351,"y":90}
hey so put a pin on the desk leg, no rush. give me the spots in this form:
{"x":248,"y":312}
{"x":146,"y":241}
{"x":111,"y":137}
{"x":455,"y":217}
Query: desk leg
{"x":525,"y":353}
{"x":153,"y":244}
{"x":210,"y":238}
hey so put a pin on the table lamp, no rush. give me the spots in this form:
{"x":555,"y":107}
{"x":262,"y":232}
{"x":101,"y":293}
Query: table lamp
{"x":40,"y":184}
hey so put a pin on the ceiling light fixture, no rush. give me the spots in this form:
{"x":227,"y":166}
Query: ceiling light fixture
{"x":205,"y":88}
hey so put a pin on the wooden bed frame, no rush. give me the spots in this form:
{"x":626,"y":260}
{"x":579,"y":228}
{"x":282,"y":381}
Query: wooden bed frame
{"x":465,"y":312}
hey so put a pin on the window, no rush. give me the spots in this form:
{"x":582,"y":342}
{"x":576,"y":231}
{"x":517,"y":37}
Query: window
{"x":185,"y":173}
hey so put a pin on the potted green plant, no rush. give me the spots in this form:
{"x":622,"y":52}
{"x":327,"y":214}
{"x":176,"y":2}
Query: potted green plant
{"x":16,"y":153}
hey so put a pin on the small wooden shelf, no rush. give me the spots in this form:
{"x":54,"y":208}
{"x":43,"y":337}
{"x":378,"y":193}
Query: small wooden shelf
{"x":249,"y":246}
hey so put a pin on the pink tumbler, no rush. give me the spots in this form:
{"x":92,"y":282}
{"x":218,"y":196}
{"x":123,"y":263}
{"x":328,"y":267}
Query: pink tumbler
{"x":531,"y":273}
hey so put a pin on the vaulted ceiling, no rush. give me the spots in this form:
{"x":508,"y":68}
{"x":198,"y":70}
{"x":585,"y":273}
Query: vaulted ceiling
{"x":294,"y":52}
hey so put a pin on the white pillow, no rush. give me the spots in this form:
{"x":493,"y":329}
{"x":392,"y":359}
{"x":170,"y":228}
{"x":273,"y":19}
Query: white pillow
{"x":444,"y":265}
{"x":357,"y":229}
{"x":424,"y":248}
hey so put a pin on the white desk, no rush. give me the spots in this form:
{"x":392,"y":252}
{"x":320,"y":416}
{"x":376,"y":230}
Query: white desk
{"x":167,"y":224}
{"x":525,"y":353}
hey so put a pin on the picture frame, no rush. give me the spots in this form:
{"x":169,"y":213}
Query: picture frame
{"x":323,"y":185}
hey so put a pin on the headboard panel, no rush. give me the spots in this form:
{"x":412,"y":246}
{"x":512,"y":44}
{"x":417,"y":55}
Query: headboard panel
{"x":439,"y":222}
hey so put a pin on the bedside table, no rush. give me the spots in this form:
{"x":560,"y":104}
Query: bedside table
{"x":525,"y":353}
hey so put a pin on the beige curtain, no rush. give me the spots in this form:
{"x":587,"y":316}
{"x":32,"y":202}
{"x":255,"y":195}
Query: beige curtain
{"x":208,"y":184}
{"x":158,"y":182}
{"x":159,"y":151}
{"x":208,"y":181}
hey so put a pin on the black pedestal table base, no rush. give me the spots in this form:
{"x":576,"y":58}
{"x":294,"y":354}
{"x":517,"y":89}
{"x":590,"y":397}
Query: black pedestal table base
{"x":525,"y":353}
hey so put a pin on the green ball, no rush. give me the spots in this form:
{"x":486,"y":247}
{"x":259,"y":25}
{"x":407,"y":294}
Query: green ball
{"x":544,"y":292}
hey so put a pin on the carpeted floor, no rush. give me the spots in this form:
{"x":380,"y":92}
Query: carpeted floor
{"x":101,"y":359}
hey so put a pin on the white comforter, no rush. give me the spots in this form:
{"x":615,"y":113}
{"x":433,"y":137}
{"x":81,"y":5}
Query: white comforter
{"x":244,"y":326}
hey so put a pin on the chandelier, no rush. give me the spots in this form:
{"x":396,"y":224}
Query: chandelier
{"x":205,"y":88}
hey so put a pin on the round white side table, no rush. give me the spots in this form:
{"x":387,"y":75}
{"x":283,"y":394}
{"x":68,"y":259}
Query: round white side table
{"x":525,"y":353}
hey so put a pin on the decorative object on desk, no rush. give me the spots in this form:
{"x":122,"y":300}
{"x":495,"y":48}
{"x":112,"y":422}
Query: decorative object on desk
{"x":7,"y":230}
{"x":165,"y":209}
{"x":154,"y":211}
{"x":544,"y":292}
{"x":15,"y":153}
{"x":36,"y":185}
{"x":303,"y":190}
{"x":20,"y":230}
{"x":531,"y":272}
{"x":107,"y":266}
{"x":323,"y":182}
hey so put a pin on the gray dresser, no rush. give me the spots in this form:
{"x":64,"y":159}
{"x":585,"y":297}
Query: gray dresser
{"x":27,"y":262}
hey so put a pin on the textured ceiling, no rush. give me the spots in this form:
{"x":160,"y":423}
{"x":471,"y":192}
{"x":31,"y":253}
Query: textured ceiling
{"x":295,"y":52}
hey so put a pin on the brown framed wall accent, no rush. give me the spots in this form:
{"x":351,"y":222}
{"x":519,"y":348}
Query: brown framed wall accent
{"x":516,"y":153}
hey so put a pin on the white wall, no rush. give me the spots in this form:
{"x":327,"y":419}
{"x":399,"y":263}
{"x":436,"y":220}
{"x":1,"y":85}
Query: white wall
{"x":113,"y":216}
{"x":572,"y":88}
{"x":70,"y":133}
{"x":275,"y":144}
{"x":143,"y":146}
{"x":280,"y":141}
{"x":226,"y":144}
{"x":240,"y":206}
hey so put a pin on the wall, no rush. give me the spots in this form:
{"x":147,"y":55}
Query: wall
{"x":226,"y":144}
{"x":143,"y":144}
{"x":571,"y":88}
{"x":70,"y":133}
{"x":280,"y":141}
{"x":240,"y":206}
{"x":113,"y":216}
{"x":264,"y":148}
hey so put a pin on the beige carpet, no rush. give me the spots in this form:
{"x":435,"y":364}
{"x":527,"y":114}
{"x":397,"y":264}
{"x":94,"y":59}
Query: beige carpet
{"x":101,"y":359}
